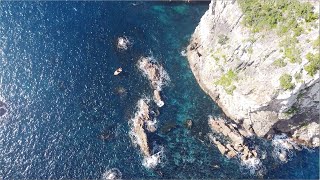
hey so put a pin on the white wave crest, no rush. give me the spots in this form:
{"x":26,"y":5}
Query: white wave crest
{"x":155,"y":159}
{"x":159,"y":103}
{"x":113,"y":173}
{"x":283,"y":147}
{"x":254,"y":165}
{"x":183,"y":53}
{"x":152,"y":125}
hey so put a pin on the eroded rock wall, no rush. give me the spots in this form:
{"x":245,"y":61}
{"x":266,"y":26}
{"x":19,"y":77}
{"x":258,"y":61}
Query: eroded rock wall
{"x":222,"y":44}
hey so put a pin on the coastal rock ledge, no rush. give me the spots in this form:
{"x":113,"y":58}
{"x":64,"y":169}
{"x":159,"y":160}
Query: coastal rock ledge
{"x":242,"y":70}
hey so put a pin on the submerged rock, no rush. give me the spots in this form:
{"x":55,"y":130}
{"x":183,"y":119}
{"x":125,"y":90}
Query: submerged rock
{"x":3,"y":111}
{"x":168,"y":126}
{"x":120,"y":90}
{"x":3,"y":108}
{"x":188,"y":123}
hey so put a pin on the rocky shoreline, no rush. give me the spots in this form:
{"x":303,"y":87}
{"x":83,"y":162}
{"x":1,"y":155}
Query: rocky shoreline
{"x":254,"y":99}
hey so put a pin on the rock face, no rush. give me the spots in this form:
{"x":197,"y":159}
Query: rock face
{"x":308,"y":135}
{"x":221,"y":47}
{"x":237,"y":145}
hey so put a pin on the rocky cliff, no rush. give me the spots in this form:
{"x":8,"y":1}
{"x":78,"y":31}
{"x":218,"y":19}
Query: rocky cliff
{"x":260,"y":78}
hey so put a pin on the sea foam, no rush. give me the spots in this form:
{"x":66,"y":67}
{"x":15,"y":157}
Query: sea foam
{"x":113,"y":173}
{"x":283,"y":147}
{"x":155,"y":159}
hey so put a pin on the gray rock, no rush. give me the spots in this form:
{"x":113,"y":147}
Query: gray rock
{"x":308,"y":135}
{"x":258,"y":100}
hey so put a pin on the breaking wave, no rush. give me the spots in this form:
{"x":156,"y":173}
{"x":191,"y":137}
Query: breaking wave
{"x":156,"y":158}
{"x":283,"y":147}
{"x":254,"y":165}
{"x":123,"y":43}
{"x":183,"y":53}
{"x":113,"y":173}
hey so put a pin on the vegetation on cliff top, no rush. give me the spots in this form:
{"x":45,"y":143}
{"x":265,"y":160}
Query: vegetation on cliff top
{"x":281,"y":14}
{"x":287,"y":17}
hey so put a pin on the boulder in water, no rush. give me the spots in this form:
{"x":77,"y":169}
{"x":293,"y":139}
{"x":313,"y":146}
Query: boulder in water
{"x":188,"y":123}
{"x":3,"y":111}
{"x":157,"y":98}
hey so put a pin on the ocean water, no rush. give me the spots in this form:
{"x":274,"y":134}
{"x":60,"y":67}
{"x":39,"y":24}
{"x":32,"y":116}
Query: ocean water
{"x":56,"y":76}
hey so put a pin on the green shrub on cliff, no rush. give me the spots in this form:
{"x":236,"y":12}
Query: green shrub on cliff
{"x":314,"y":63}
{"x":279,"y":63}
{"x":226,"y":81}
{"x":316,"y":43}
{"x":290,"y":50}
{"x":286,"y":82}
{"x":292,"y":110}
{"x":222,"y":39}
{"x":293,"y":54}
{"x":298,"y":76}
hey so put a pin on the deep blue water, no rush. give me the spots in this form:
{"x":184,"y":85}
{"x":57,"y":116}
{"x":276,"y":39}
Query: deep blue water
{"x":56,"y":74}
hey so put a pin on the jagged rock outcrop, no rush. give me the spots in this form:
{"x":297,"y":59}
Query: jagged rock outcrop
{"x":156,"y":75}
{"x":144,"y":119}
{"x":236,"y":145}
{"x":139,"y":121}
{"x":223,"y":49}
{"x":308,"y":135}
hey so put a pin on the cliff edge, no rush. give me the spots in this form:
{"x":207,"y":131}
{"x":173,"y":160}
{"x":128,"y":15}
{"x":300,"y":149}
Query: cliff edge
{"x":263,"y":73}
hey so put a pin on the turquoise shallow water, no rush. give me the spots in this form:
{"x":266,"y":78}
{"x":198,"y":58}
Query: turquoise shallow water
{"x":57,"y":63}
